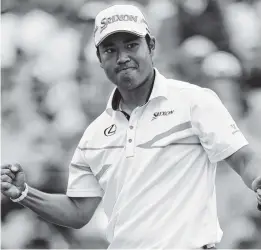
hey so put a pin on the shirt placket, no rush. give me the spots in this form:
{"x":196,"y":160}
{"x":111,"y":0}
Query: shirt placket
{"x":131,"y":132}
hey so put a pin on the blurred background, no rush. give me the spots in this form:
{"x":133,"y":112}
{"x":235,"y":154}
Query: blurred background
{"x":53,"y":88}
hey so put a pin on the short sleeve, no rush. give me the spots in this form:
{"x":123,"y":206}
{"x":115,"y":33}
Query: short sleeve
{"x":216,"y":129}
{"x":82,"y":182}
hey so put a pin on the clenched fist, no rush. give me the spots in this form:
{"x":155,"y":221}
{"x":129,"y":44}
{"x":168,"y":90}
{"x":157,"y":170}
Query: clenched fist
{"x":12,"y":180}
{"x":256,"y":186}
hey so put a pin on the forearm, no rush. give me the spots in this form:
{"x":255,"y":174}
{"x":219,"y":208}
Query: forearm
{"x":251,"y":170}
{"x":247,"y":164}
{"x":55,"y":208}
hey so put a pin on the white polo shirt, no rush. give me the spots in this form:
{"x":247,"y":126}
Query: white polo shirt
{"x":156,"y":171}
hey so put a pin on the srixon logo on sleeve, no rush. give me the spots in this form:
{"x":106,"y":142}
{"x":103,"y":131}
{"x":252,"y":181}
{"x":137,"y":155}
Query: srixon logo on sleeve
{"x":117,"y":18}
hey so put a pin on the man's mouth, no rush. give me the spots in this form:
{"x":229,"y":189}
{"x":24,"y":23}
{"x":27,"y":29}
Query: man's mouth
{"x":125,"y":68}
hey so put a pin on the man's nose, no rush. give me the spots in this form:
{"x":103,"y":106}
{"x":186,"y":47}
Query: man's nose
{"x":123,"y":57}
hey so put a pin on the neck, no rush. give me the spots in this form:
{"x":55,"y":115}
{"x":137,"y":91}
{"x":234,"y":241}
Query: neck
{"x":139,"y":96}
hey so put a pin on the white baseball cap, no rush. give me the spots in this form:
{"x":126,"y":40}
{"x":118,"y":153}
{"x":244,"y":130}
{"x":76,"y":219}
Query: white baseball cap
{"x":119,"y":18}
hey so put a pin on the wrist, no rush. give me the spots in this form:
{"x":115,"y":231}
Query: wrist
{"x":22,"y":195}
{"x":23,"y":188}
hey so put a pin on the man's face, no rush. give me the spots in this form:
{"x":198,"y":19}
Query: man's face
{"x":126,"y":60}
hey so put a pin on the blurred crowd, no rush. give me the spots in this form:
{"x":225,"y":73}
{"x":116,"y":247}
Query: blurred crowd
{"x":53,"y":88}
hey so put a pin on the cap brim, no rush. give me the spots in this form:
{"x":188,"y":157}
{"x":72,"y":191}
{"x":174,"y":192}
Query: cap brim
{"x":119,"y":31}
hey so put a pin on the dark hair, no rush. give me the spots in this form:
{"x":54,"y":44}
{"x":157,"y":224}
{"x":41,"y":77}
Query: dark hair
{"x":147,"y":38}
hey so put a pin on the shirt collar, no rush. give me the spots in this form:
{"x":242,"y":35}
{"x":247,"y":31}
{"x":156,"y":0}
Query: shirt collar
{"x":159,"y":90}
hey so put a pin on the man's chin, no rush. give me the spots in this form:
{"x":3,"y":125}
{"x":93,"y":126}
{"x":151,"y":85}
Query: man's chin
{"x":129,"y":85}
{"x":126,"y":77}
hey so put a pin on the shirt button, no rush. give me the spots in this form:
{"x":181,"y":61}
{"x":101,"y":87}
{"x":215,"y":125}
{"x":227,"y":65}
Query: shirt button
{"x":130,"y":140}
{"x":131,"y":127}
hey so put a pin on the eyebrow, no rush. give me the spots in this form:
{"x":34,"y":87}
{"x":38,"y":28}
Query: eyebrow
{"x":132,"y":39}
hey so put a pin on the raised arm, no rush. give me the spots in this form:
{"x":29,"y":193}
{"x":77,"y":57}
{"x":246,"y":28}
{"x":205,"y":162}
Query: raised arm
{"x":73,"y":212}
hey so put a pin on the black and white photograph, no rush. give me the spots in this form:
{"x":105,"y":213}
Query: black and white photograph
{"x":131,"y":124}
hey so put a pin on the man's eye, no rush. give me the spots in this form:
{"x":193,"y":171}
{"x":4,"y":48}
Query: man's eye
{"x":132,"y":45}
{"x":108,"y":51}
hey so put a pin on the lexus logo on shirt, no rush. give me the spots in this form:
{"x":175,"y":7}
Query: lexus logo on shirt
{"x":110,"y":130}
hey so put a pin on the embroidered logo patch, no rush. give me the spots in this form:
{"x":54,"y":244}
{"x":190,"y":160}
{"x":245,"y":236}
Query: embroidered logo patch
{"x":110,"y":130}
{"x":162,"y":113}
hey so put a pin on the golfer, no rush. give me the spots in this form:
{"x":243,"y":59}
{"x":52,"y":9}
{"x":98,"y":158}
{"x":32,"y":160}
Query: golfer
{"x":150,"y":157}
